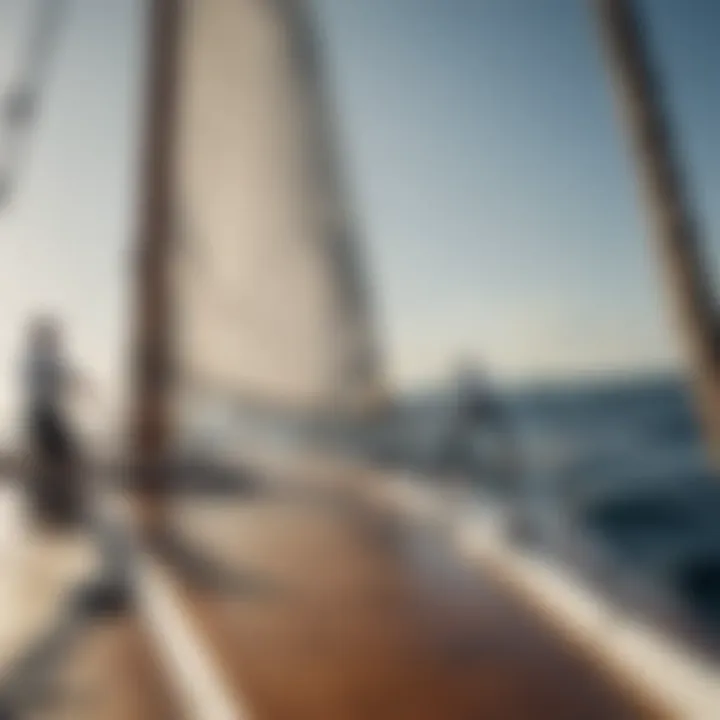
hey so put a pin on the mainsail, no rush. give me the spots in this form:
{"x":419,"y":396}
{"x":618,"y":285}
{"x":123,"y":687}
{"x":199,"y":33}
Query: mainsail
{"x":268,"y":297}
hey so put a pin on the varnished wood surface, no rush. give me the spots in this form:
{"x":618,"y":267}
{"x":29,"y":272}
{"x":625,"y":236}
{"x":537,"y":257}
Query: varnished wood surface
{"x":324,"y":612}
{"x":110,"y":672}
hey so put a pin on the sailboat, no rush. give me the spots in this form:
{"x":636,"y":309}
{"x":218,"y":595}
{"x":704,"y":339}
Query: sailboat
{"x":304,"y":587}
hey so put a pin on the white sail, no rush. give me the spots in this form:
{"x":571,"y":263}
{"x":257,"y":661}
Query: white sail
{"x":269,"y":296}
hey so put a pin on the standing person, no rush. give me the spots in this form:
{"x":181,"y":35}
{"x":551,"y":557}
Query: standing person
{"x":476,"y":414}
{"x":55,"y":481}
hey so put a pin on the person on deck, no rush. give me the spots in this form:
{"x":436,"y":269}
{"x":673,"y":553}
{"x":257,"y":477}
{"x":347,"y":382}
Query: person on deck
{"x":47,"y":380}
{"x":476,"y":413}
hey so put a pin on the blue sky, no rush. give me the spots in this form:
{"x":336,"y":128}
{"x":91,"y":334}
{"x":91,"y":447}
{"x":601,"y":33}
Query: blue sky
{"x":487,"y":172}
{"x":64,"y":242}
{"x":498,"y":200}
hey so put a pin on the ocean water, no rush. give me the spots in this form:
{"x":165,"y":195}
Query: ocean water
{"x":609,"y":474}
{"x":615,"y":470}
{"x":591,"y":432}
{"x":624,"y":465}
{"x":600,"y":434}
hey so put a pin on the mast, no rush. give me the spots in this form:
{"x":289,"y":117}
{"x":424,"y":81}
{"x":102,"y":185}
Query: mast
{"x":248,"y":277}
{"x":674,"y":227}
{"x":153,"y":318}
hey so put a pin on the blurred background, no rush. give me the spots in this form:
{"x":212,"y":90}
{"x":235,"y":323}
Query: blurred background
{"x":503,"y":239}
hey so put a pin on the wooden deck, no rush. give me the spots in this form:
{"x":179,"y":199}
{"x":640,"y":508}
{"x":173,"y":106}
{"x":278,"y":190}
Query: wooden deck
{"x":319,"y":605}
{"x":56,"y":661}
{"x":330,"y":610}
{"x":109,"y":672}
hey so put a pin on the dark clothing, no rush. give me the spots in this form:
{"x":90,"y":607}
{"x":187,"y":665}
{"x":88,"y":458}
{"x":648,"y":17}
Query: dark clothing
{"x":50,"y":435}
{"x":55,"y":481}
{"x":46,"y":379}
{"x":479,"y":416}
{"x":480,"y":409}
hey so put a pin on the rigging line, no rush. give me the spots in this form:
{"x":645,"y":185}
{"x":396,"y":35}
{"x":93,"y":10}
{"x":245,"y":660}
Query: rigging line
{"x":21,"y":101}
